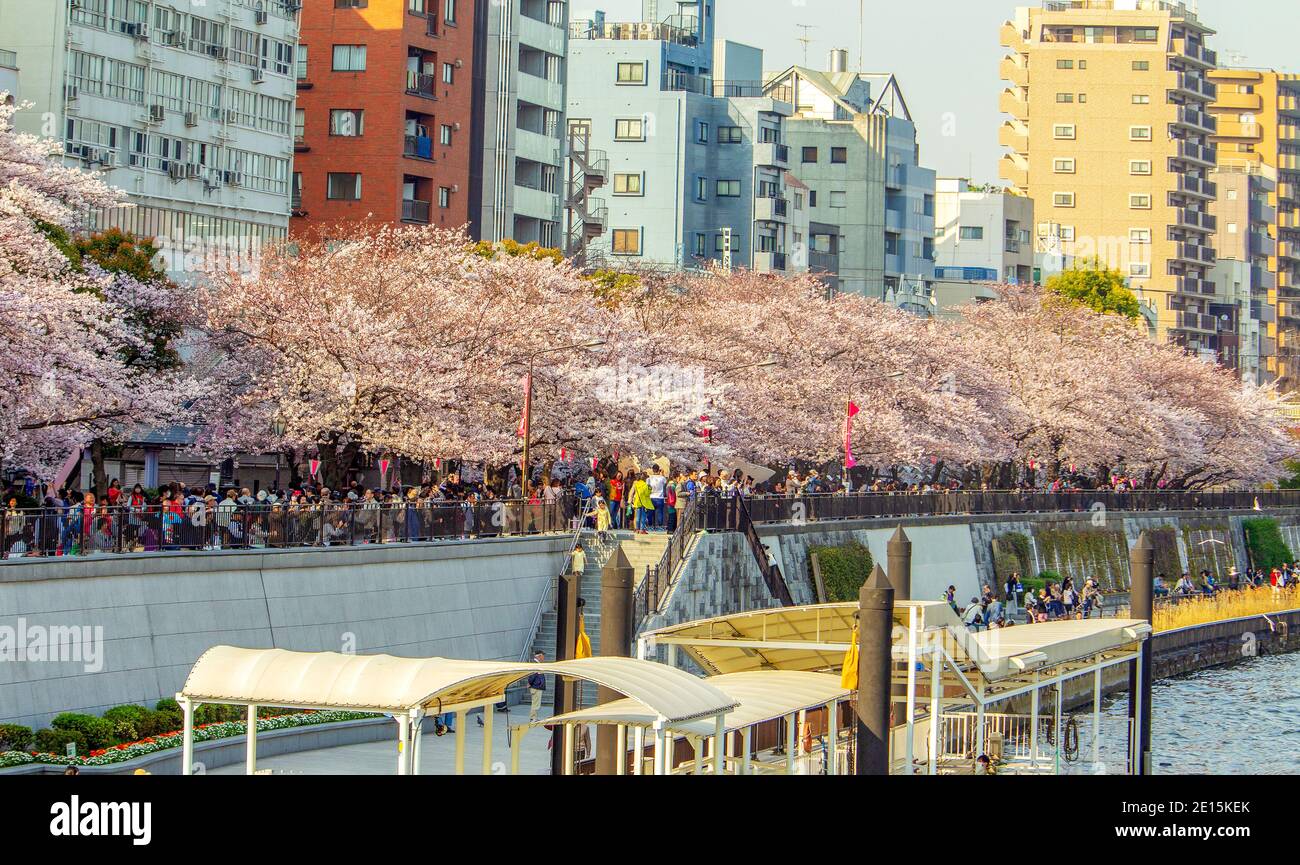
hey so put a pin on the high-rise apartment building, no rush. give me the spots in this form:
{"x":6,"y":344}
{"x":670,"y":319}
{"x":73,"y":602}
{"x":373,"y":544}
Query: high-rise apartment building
{"x":517,"y":138}
{"x":1245,"y":302}
{"x":853,"y":144}
{"x":1108,"y":133}
{"x":383,"y":123}
{"x":187,"y":107}
{"x":696,"y":164}
{"x":1258,"y":116}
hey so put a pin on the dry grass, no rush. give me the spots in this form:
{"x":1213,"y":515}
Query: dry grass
{"x":1223,"y":606}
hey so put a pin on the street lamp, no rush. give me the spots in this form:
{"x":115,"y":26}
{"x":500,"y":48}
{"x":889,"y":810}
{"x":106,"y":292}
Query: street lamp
{"x":528,"y":399}
{"x":278,"y":427}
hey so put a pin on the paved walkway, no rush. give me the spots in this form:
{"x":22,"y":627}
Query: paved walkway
{"x":437,"y":754}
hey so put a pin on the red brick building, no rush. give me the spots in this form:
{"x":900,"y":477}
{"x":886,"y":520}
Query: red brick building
{"x":385,"y":97}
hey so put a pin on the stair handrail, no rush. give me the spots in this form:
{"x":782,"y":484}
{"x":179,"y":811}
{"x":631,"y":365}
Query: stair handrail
{"x":660,"y":576}
{"x":581,"y":525}
{"x":771,"y":572}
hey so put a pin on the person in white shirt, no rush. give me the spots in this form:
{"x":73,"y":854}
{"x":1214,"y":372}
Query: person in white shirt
{"x":658,"y":489}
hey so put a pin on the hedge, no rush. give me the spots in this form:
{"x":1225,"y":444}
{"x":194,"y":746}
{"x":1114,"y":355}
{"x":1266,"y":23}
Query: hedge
{"x":1264,"y":542}
{"x":14,"y":737}
{"x":844,"y":570}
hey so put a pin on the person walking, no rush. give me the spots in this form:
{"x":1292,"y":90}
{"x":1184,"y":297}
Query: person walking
{"x":658,"y":496}
{"x":536,"y":688}
{"x":643,"y":504}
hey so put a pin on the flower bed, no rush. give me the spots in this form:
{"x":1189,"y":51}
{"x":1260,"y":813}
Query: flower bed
{"x":153,"y":744}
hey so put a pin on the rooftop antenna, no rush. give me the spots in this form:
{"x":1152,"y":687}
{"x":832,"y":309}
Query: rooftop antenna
{"x":862,"y":36}
{"x":806,"y":40}
{"x":1234,"y":57}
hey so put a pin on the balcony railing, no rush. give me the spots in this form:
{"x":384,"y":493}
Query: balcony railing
{"x":415,"y":211}
{"x":419,"y":84}
{"x":418,"y":147}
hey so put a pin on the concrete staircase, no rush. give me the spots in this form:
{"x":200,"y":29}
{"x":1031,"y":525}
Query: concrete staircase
{"x":642,"y":551}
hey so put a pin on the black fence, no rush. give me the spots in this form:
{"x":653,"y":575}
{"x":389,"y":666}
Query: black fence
{"x":115,"y":530}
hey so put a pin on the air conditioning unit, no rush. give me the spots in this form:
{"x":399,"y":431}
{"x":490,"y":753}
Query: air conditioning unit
{"x":193,"y":171}
{"x":173,"y":39}
{"x":92,"y":155}
{"x":137,"y":30}
{"x":176,"y":171}
{"x":217,"y":51}
{"x":259,"y":75}
{"x":230,"y":178}
{"x":210,"y":183}
{"x":231,"y":115}
{"x":191,"y":118}
{"x":157,"y":114}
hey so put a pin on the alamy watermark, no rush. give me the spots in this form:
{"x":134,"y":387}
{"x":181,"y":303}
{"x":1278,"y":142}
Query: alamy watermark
{"x":26,"y":643}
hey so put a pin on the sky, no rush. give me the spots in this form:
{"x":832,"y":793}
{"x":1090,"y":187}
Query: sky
{"x":946,"y":55}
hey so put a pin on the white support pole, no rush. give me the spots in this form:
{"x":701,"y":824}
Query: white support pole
{"x":802,"y":725}
{"x":1056,"y":760}
{"x":621,"y":767}
{"x":979,"y":727}
{"x":697,"y":742}
{"x":791,"y":742}
{"x":569,"y":738}
{"x":672,"y":654}
{"x":460,"y":742}
{"x":417,"y":737}
{"x":638,"y":751}
{"x":936,"y":706}
{"x":250,"y":740}
{"x":1096,"y":718}
{"x":911,"y":687}
{"x":719,"y":758}
{"x":745,"y":740}
{"x":1136,"y":750}
{"x":403,"y":741}
{"x":662,"y":762}
{"x":488,"y":717}
{"x":516,"y":736}
{"x":832,"y":738}
{"x":1033,"y":724}
{"x":187,"y":741}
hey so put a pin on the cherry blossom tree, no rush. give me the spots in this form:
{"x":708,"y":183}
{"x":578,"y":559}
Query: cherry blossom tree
{"x":69,"y":372}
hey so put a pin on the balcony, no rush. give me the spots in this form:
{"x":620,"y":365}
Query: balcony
{"x":539,"y":91}
{"x":895,"y":221}
{"x":1011,"y":103}
{"x":1194,"y":286}
{"x":1251,"y":102}
{"x":1198,"y":54}
{"x":1262,"y":279}
{"x":414,"y":210}
{"x":1011,"y":245}
{"x":769,"y":262}
{"x":1012,"y":171}
{"x":536,"y":147}
{"x":771,"y":154}
{"x":1262,"y":212}
{"x":537,"y":203}
{"x":1013,"y":69}
{"x":1187,"y":218}
{"x":419,"y":84}
{"x":1288,"y":133}
{"x":1187,"y":151}
{"x":1014,"y":137}
{"x":1287,"y":192}
{"x":1188,"y":185}
{"x":1288,"y":103}
{"x":418,"y":147}
{"x":1195,"y":253}
{"x":1011,"y":36}
{"x":770,"y":208}
{"x":1288,"y":250}
{"x":893,"y":263}
{"x":1238,"y":129}
{"x":1195,"y":321}
{"x":1188,"y":85}
{"x":542,"y":36}
{"x":1200,"y":121}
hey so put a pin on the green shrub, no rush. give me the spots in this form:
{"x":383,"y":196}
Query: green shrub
{"x":844,"y":570}
{"x":1265,"y":544}
{"x":127,"y":722}
{"x":98,"y":732}
{"x":56,"y":741}
{"x":15,"y":737}
{"x":214,"y":713}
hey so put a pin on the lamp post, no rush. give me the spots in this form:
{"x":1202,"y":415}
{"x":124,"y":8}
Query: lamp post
{"x":528,"y":400}
{"x":278,"y":427}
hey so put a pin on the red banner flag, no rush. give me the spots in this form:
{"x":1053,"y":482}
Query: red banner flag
{"x":315,"y":467}
{"x":528,"y":406}
{"x":849,"y":461}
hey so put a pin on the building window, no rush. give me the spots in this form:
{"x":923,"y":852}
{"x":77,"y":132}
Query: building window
{"x":1063,"y":199}
{"x":449,"y":11}
{"x":349,"y":58}
{"x":701,"y":132}
{"x":1083,"y":97}
{"x":1140,"y":271}
{"x":839,"y":155}
{"x":627,"y":241}
{"x":728,"y":189}
{"x":971,"y":232}
{"x":1139,"y":166}
{"x":448,"y":73}
{"x":1063,"y":166}
{"x":1067,"y":233}
{"x":839,"y":199}
{"x":1141,"y":99}
{"x":444,"y":135}
{"x":351,"y":4}
{"x":1065,"y":97}
{"x":630,"y":73}
{"x":809,"y":155}
{"x":1083,"y":64}
{"x":1139,"y":133}
{"x":343,"y":187}
{"x":1064,"y":64}
{"x":701,"y":189}
{"x":444,"y":197}
{"x":301,"y":57}
{"x":701,"y":245}
{"x":299,"y":124}
{"x":1063,"y":132}
{"x":729,"y":135}
{"x":1141,"y":65}
{"x":1145,"y":34}
{"x":1139,"y":236}
{"x":627,"y":184}
{"x":812,"y":198}
{"x":1139,"y":201}
{"x":347,"y":122}
{"x":629,"y":130}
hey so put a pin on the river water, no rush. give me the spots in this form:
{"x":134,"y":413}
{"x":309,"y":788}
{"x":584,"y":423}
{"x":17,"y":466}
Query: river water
{"x":1237,"y":720}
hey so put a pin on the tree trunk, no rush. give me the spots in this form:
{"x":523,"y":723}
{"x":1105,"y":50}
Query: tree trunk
{"x":937,"y":473}
{"x":98,"y":476}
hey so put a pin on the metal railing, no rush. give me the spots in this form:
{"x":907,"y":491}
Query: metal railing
{"x":547,"y":600}
{"x":720,"y":514}
{"x":78,"y":531}
{"x":771,"y":572}
{"x":650,"y":594}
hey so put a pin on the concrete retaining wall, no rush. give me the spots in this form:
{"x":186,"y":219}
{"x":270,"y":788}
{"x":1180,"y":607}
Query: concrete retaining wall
{"x":159,"y":612}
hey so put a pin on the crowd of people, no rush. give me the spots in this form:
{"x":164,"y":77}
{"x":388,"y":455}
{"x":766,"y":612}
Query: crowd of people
{"x":1015,"y":603}
{"x":1206,"y":584}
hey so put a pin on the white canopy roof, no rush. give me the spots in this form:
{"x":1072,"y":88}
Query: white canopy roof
{"x":383,"y":683}
{"x":760,"y":696}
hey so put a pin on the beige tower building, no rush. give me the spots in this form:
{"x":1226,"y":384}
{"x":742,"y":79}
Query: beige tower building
{"x":1258,"y":114}
{"x":1108,"y":132}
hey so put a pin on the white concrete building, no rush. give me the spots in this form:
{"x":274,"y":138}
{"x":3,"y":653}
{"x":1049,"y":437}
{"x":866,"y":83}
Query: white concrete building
{"x":9,"y":74}
{"x":982,"y":235}
{"x":187,"y":107}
